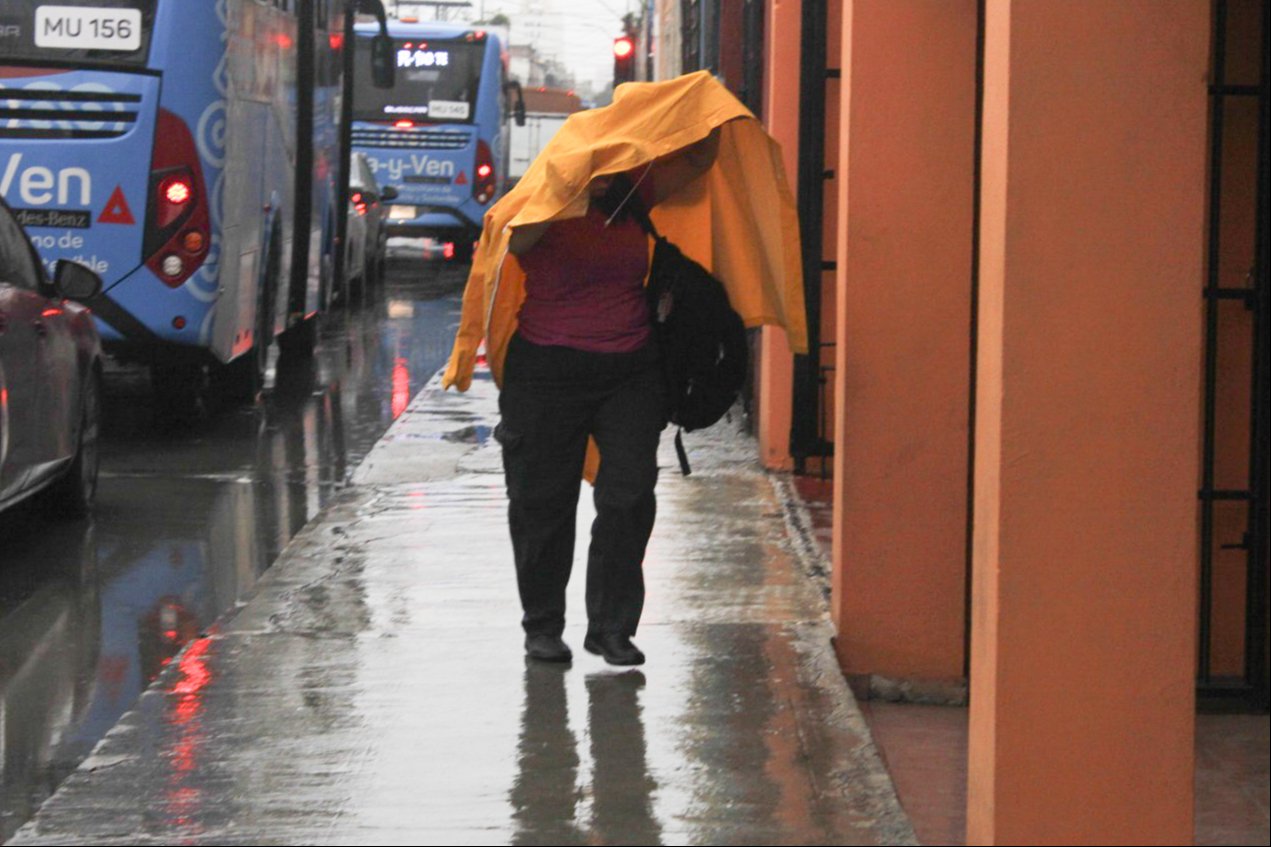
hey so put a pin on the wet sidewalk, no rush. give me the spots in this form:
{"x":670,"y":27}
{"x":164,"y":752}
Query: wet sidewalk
{"x":374,"y":689}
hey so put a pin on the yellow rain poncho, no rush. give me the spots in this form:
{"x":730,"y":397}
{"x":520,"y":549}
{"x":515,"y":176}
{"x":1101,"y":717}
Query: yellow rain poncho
{"x":737,"y":219}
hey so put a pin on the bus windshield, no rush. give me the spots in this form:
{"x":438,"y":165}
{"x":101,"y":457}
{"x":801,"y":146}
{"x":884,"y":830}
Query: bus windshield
{"x":84,"y":33}
{"x":436,"y":82}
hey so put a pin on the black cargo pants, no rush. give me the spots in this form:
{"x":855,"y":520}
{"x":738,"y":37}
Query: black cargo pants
{"x":552,"y":399}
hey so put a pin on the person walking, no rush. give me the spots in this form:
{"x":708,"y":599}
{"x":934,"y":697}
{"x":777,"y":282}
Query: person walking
{"x":582,"y":364}
{"x":557,"y":295}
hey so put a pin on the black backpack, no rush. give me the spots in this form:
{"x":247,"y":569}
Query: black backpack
{"x":702,"y":340}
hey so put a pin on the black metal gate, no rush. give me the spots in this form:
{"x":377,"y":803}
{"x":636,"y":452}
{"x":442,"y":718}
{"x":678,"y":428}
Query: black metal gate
{"x":810,"y":418}
{"x":1232,"y":671}
{"x":753,"y":56}
{"x":699,"y":35}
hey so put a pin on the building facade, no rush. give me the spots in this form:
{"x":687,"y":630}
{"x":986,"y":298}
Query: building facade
{"x":1035,"y":251}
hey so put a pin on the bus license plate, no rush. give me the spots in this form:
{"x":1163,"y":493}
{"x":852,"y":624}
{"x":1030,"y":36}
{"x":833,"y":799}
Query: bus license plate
{"x":88,"y":28}
{"x":448,"y":110}
{"x":402,"y":213}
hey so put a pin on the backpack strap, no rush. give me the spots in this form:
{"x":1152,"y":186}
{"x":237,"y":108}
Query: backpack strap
{"x":641,"y":215}
{"x":685,"y":470}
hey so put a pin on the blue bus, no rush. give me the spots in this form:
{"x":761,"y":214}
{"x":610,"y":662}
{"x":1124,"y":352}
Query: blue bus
{"x":440,"y":134}
{"x":188,"y":151}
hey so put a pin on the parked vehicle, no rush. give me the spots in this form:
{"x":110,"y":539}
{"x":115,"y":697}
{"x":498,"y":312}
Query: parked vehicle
{"x":189,"y":152}
{"x":368,"y":201}
{"x":440,"y":134}
{"x":354,"y":252}
{"x":50,"y":376}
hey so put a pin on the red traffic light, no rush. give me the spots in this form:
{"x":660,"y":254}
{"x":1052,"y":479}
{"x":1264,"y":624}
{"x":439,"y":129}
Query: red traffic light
{"x":624,"y":50}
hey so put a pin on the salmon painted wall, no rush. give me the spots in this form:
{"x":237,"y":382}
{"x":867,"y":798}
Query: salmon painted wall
{"x":774,"y":370}
{"x":903,"y":356}
{"x":1088,"y":385}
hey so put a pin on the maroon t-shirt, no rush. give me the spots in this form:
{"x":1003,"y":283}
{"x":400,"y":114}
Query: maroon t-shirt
{"x":584,"y":286}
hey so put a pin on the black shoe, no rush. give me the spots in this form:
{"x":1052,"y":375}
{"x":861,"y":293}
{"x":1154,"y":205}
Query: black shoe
{"x":617,"y":649}
{"x":547,"y":648}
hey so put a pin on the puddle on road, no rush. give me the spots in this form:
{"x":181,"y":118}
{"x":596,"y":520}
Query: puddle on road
{"x":188,"y":517}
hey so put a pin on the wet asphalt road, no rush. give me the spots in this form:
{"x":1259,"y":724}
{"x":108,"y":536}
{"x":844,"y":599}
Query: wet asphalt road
{"x":188,"y":516}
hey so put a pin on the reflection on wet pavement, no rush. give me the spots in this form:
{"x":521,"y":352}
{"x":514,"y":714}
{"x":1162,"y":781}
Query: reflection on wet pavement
{"x":374,"y":689}
{"x":187,"y":519}
{"x":545,"y":792}
{"x":623,"y":791}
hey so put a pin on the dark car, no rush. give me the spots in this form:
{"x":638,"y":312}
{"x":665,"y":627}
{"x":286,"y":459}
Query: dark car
{"x":50,"y":377}
{"x":367,"y":200}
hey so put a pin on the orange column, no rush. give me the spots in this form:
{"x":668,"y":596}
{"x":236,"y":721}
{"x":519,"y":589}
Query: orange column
{"x":775,"y":365}
{"x":902,"y":386}
{"x":1083,"y":613}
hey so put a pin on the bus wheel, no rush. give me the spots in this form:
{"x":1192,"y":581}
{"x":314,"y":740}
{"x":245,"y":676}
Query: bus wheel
{"x":242,"y":379}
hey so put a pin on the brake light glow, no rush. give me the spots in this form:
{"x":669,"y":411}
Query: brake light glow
{"x":176,"y":191}
{"x":403,"y":124}
{"x":358,"y":199}
{"x":483,"y":187}
{"x":178,"y":224}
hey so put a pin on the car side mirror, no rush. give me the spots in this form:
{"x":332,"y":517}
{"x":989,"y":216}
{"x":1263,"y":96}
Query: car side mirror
{"x":383,"y":67}
{"x":75,"y":281}
{"x":388,"y":192}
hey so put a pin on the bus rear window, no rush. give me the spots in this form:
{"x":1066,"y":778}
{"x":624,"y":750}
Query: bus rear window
{"x":436,"y":82}
{"x":82,"y":33}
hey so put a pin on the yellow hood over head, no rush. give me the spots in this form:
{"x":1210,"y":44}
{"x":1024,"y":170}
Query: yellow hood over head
{"x":737,"y":219}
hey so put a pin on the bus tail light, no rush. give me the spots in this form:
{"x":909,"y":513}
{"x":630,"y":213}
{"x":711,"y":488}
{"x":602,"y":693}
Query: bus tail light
{"x":358,"y":199}
{"x":483,"y":185}
{"x":178,"y":226}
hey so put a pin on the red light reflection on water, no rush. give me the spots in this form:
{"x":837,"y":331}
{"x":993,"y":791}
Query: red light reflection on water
{"x":196,"y":673}
{"x":401,"y":387}
{"x":183,"y":801}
